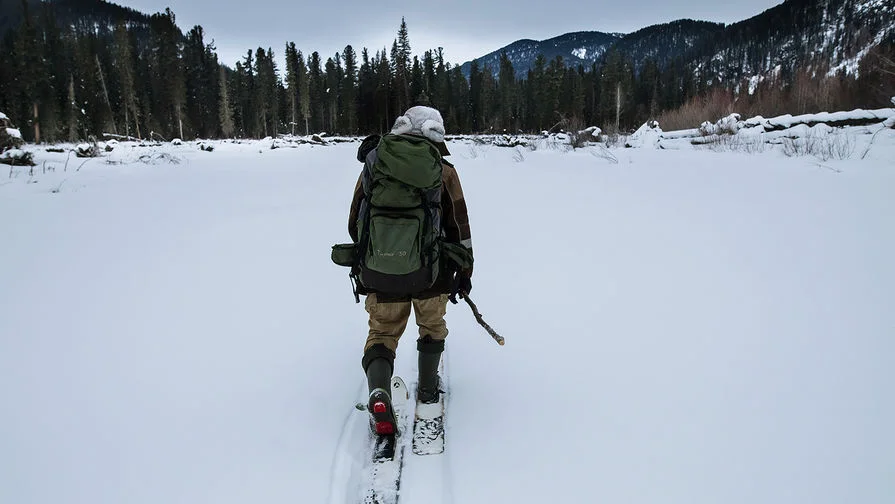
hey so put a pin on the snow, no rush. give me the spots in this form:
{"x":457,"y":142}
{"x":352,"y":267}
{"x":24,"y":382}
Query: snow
{"x":3,"y":117}
{"x":754,"y":81}
{"x":14,"y":133}
{"x":850,"y":65}
{"x":682,"y":326}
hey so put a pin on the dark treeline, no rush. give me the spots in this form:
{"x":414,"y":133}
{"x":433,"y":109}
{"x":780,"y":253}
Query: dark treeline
{"x":141,"y":76}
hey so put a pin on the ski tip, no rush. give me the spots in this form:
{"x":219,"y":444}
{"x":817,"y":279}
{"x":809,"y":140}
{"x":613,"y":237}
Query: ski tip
{"x":399,"y":389}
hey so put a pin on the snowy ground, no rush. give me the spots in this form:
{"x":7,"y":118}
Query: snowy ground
{"x":682,"y":327}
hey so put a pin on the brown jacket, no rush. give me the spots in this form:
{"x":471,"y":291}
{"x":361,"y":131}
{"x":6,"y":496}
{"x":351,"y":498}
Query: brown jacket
{"x":454,"y":217}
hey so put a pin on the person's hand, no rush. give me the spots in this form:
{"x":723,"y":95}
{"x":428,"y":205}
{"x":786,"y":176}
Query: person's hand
{"x":462,"y":284}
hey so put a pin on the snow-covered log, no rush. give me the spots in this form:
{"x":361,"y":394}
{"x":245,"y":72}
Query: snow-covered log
{"x":17,"y":157}
{"x":121,"y":137}
{"x":87,"y":150}
{"x":857,"y":117}
{"x":646,"y":135}
{"x":10,"y":137}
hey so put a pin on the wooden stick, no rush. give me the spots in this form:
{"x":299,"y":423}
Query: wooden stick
{"x":478,"y":317}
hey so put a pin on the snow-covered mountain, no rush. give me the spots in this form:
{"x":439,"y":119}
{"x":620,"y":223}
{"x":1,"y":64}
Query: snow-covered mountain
{"x":829,"y":34}
{"x":575,"y":48}
{"x":665,"y":42}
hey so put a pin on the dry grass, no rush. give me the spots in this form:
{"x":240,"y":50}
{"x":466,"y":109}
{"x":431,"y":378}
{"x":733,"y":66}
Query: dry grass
{"x":716,"y":104}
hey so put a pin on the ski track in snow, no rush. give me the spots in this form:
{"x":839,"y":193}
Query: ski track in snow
{"x":682,"y":327}
{"x":344,"y":485}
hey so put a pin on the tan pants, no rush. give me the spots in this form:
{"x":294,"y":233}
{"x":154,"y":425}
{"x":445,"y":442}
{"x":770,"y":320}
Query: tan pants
{"x":388,"y":320}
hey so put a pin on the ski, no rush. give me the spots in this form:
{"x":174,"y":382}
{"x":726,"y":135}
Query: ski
{"x":383,"y":474}
{"x":428,"y":424}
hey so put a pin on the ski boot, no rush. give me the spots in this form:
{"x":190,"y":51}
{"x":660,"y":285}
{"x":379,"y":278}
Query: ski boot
{"x":428,"y":387}
{"x":378,"y":362}
{"x":428,"y":424}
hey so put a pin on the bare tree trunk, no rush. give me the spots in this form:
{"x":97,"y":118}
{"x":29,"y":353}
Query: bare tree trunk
{"x":618,"y":104}
{"x":137,"y":123}
{"x":102,"y":81}
{"x":72,"y":115}
{"x":36,"y":125}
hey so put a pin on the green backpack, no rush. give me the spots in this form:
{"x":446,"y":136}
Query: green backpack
{"x":399,"y":223}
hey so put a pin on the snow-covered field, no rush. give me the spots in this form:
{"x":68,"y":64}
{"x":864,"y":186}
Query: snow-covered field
{"x":682,"y":326}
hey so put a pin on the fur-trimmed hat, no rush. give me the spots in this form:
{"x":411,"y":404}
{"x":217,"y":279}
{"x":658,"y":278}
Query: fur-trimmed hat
{"x":425,"y":122}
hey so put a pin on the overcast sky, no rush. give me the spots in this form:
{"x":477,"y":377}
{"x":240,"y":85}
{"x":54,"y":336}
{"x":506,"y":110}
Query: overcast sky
{"x":465,"y":29}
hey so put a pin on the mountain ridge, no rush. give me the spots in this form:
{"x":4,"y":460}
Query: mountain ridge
{"x":820,"y":33}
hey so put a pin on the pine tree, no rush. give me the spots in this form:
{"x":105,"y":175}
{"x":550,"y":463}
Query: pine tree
{"x":429,"y":74}
{"x":507,"y":84}
{"x":442,"y":94}
{"x":292,"y":83}
{"x":475,"y":96}
{"x":304,"y":88}
{"x":489,"y":103}
{"x":27,"y":69}
{"x":332,"y":79}
{"x":349,"y":90}
{"x":417,"y":84}
{"x":266,"y":92}
{"x":316,"y":92}
{"x":124,"y":64}
{"x":366,"y":93}
{"x":457,"y":87}
{"x":538,"y":97}
{"x":168,"y":82}
{"x":273,"y":88}
{"x":401,"y":62}
{"x":383,"y":92}
{"x":196,"y":79}
{"x":51,"y":92}
{"x":211,"y":96}
{"x":646,"y":95}
{"x":225,"y":111}
{"x":247,"y":96}
{"x":617,"y":90}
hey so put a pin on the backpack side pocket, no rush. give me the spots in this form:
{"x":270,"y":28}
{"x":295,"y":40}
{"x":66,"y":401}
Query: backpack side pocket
{"x":344,"y":254}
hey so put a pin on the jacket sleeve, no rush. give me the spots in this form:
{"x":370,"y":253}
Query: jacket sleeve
{"x":355,"y":209}
{"x":455,"y":215}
